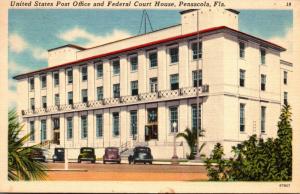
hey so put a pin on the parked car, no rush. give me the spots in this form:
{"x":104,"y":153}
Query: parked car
{"x":111,"y":154}
{"x":141,"y":154}
{"x":59,"y":154}
{"x":37,"y":154}
{"x":87,"y":154}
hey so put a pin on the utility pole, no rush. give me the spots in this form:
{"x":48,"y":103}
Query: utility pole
{"x":197,"y":157}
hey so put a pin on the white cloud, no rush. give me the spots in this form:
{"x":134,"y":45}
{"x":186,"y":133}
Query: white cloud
{"x":17,"y":44}
{"x":15,"y":68}
{"x":78,"y":33}
{"x":39,"y":53}
{"x":287,"y":42}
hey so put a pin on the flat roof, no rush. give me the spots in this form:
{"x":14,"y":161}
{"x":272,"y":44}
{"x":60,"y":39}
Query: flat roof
{"x":191,"y":10}
{"x":202,"y":32}
{"x":68,"y":45}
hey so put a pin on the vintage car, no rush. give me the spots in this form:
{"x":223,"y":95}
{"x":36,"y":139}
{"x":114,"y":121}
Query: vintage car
{"x":59,"y":154}
{"x":141,"y":154}
{"x":37,"y":154}
{"x":111,"y":154}
{"x":87,"y":154}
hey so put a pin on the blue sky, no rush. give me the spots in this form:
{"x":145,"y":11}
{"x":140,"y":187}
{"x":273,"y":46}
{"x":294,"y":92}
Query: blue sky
{"x":33,"y":32}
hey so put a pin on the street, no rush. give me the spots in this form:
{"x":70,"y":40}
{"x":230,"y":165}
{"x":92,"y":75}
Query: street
{"x":125,"y":172}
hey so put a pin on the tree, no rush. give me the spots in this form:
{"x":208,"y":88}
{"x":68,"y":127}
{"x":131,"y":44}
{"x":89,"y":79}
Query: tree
{"x":284,"y":142}
{"x":190,"y":137}
{"x":20,"y":167}
{"x":256,"y":159}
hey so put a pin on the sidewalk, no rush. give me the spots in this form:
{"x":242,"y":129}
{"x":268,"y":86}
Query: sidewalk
{"x":159,"y":161}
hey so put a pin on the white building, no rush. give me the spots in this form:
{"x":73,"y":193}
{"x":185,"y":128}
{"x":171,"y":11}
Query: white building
{"x":131,"y":91}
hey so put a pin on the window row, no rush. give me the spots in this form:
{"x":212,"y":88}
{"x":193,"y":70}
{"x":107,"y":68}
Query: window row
{"x":243,"y":118}
{"x":115,"y":63}
{"x":134,"y":89}
{"x":133,"y":117}
{"x":242,"y":53}
{"x":263,"y":80}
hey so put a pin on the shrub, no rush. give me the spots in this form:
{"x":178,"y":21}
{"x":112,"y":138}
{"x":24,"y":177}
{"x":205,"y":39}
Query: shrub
{"x":256,"y":159}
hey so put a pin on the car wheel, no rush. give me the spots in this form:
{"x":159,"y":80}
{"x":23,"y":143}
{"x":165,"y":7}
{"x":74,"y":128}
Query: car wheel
{"x":150,"y":162}
{"x":119,"y":162}
{"x":103,"y":162}
{"x":144,"y":162}
{"x":79,"y":161}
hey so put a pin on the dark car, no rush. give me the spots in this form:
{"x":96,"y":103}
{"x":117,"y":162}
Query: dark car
{"x":87,"y":154}
{"x":59,"y":154}
{"x":37,"y":154}
{"x":111,"y":155}
{"x":141,"y":154}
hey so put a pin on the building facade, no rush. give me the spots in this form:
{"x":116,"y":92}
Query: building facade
{"x":131,"y":91}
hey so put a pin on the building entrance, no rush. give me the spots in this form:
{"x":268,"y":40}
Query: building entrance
{"x":151,"y":128}
{"x":56,"y":132}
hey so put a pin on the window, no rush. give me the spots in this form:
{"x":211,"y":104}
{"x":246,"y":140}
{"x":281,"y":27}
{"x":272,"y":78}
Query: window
{"x":116,"y":67}
{"x":69,"y":128}
{"x":134,"y":88}
{"x":263,"y":82}
{"x":56,"y":78}
{"x":44,"y":101}
{"x":133,"y":63}
{"x":116,"y":90}
{"x":174,"y":83}
{"x":84,"y":95}
{"x":263,"y":119}
{"x":174,"y":54}
{"x":133,"y":122}
{"x":43,"y":81}
{"x":84,"y":124}
{"x":100,"y":93}
{"x":84,"y":73}
{"x":153,"y":59}
{"x":285,"y":98}
{"x":242,"y":78}
{"x":195,"y":78}
{"x":173,"y":118}
{"x":56,"y":99}
{"x":70,"y":97}
{"x":32,"y":103}
{"x":263,"y":56}
{"x":116,"y":124}
{"x":99,"y":125}
{"x":285,"y":75}
{"x":99,"y":68}
{"x":152,"y":115}
{"x":194,"y":117}
{"x":242,"y":117}
{"x":70,"y":75}
{"x":32,"y":131}
{"x":242,"y":50}
{"x":31,"y":83}
{"x":43,"y":130}
{"x":153,"y":84}
{"x":56,"y":123}
{"x":197,"y":50}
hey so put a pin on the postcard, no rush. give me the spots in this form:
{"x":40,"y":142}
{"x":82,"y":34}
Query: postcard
{"x":157,"y":96}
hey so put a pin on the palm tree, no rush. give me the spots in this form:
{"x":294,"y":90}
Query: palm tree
{"x":20,"y":167}
{"x":190,"y":137}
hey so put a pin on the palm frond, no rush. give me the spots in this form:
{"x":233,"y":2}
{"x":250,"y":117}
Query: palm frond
{"x":20,"y":166}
